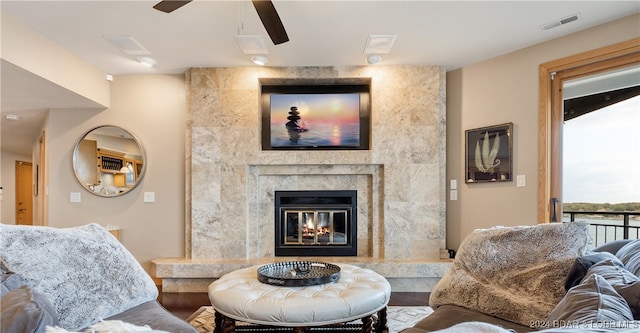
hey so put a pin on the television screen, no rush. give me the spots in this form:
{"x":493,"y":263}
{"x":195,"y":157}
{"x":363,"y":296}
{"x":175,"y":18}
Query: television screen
{"x":314,"y":114}
{"x":315,"y":120}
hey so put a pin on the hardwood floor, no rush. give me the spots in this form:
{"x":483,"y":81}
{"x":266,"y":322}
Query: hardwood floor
{"x":184,"y":304}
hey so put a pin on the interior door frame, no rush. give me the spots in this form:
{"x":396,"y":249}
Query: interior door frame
{"x":550,"y":114}
{"x":23,"y":191}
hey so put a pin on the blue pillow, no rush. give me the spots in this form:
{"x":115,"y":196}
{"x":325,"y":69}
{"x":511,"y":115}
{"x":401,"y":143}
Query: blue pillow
{"x":582,"y":264}
{"x":630,"y":257}
{"x":592,"y":301}
{"x":623,"y":281}
{"x":26,"y":311}
{"x":11,"y":281}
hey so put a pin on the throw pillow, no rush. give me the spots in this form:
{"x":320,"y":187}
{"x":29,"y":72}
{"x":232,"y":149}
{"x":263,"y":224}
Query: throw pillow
{"x":11,"y":281}
{"x":513,"y":273}
{"x":582,"y":264}
{"x":630,"y":257}
{"x":625,"y":283}
{"x":84,"y":271}
{"x":26,"y":311}
{"x":592,"y":301}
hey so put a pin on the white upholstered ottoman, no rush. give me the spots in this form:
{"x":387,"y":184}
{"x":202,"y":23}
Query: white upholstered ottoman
{"x":358,"y":294}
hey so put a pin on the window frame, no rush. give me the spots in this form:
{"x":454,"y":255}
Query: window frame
{"x":550,"y":114}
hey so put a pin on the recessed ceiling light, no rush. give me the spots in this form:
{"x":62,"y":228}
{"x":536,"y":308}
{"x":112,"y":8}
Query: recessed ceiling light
{"x":259,"y":60}
{"x":373,"y":59}
{"x":147,"y":61}
{"x":12,"y":117}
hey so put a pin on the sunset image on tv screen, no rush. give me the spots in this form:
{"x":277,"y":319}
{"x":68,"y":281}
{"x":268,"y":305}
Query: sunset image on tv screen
{"x":315,"y":120}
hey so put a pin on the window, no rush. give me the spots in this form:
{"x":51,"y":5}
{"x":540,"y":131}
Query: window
{"x":552,"y":76}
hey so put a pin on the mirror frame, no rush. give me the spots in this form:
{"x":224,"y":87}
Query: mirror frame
{"x":90,"y":188}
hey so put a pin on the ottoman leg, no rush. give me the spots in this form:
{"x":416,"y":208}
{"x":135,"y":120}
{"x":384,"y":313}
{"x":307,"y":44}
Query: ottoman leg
{"x":381,"y":323}
{"x":223,"y":324}
{"x":367,"y":324}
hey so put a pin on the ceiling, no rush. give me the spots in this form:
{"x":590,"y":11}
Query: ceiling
{"x":451,"y":34}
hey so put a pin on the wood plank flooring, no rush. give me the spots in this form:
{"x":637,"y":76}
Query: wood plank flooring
{"x":184,"y":304}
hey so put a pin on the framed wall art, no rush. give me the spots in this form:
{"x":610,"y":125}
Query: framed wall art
{"x":488,"y":152}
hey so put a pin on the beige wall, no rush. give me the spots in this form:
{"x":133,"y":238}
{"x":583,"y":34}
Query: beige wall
{"x":28,"y":49}
{"x":153,"y":108}
{"x":8,"y":202}
{"x":505,"y":89}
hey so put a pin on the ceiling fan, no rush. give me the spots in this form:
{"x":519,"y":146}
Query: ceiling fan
{"x":266,"y":11}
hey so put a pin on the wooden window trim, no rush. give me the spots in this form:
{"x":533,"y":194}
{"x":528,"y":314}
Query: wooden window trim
{"x":550,"y":111}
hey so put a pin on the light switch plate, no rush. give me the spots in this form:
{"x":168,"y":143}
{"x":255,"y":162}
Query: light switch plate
{"x":521,"y":181}
{"x":149,"y":196}
{"x":75,"y":197}
{"x":453,"y":184}
{"x":453,"y":195}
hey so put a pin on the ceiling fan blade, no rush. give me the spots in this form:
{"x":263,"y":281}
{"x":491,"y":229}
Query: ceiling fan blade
{"x":168,"y":6}
{"x":271,"y":21}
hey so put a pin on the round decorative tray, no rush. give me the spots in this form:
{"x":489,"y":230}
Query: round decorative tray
{"x":298,"y":273}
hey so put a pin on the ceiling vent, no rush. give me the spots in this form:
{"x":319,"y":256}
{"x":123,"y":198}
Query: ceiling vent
{"x":252,"y":44}
{"x":379,"y":44}
{"x":128,"y":45}
{"x":562,"y":21}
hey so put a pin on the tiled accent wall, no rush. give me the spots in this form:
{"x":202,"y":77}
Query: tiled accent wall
{"x":400,"y":181}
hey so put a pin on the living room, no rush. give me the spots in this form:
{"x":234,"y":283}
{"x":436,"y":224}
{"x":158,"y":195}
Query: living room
{"x":145,"y":103}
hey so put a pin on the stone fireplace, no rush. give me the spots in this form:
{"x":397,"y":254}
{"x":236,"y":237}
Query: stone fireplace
{"x":231,"y":182}
{"x":315,"y":223}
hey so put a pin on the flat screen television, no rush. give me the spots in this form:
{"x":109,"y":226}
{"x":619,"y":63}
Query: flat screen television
{"x":333,"y":116}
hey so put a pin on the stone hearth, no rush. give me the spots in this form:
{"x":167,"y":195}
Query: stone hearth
{"x":231,"y":181}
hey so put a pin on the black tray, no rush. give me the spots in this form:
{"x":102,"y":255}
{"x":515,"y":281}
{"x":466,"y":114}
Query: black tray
{"x":298,"y":273}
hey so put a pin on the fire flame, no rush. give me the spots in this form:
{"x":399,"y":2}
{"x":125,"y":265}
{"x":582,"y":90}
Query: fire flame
{"x":308,"y":229}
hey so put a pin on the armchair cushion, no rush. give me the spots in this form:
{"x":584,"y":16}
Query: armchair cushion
{"x":594,"y":300}
{"x":623,"y":281}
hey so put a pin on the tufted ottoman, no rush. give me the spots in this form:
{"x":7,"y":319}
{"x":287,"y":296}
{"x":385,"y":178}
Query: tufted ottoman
{"x":358,"y":294}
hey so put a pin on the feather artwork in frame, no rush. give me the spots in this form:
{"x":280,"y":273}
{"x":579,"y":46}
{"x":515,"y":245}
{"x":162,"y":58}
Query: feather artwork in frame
{"x":488,"y":154}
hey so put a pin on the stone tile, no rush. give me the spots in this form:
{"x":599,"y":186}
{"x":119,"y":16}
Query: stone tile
{"x":401,"y":201}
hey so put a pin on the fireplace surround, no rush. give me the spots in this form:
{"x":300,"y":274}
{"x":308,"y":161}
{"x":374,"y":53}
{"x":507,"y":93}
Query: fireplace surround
{"x":316,"y":223}
{"x":231,"y":181}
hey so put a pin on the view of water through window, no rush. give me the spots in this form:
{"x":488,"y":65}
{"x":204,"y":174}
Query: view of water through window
{"x":601,"y":164}
{"x":601,"y":155}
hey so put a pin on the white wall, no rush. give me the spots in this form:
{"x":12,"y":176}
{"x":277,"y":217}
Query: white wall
{"x":499,"y":90}
{"x":153,"y":108}
{"x":8,"y":203}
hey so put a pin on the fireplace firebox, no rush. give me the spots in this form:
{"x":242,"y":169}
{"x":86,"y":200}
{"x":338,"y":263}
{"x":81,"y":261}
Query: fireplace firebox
{"x":316,"y":223}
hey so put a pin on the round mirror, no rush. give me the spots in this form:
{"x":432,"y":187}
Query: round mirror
{"x":108,"y":161}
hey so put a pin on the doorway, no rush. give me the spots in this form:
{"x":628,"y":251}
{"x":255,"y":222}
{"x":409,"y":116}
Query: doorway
{"x":24,"y":193}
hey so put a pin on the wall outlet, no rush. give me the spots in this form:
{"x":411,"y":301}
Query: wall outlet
{"x":521,"y":181}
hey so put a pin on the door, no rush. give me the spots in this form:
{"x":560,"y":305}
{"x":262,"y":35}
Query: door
{"x":24,"y":193}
